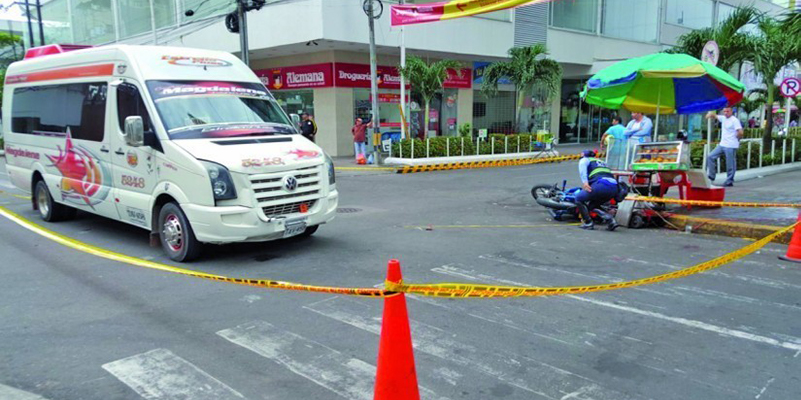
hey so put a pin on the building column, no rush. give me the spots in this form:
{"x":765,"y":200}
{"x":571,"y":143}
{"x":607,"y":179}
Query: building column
{"x":333,"y":109}
{"x":464,"y":107}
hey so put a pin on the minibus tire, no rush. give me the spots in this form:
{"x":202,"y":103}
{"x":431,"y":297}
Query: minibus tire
{"x":309,"y":231}
{"x":176,"y":235}
{"x":49,"y":210}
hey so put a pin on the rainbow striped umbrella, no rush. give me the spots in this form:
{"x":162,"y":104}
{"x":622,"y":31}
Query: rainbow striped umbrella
{"x":663,"y":84}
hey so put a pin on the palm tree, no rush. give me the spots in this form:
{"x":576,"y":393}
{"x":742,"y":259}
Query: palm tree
{"x":750,"y":105}
{"x":426,"y":79}
{"x":733,"y":44}
{"x":774,"y":48}
{"x":527,"y":68}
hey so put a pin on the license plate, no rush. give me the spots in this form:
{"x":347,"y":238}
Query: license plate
{"x":294,"y":227}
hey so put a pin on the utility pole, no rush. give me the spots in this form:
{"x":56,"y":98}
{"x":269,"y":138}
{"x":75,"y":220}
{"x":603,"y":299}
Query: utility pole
{"x":30,"y":25}
{"x":41,"y":26}
{"x":403,"y":79}
{"x":152,"y":23}
{"x":373,"y":78}
{"x":243,"y":31}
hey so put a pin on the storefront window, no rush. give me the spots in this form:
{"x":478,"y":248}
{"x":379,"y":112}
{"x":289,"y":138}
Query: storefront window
{"x":535,"y":113}
{"x":632,"y":20}
{"x":295,"y":101}
{"x":690,"y":13}
{"x":388,"y":109}
{"x":496,"y":113}
{"x":580,"y":15}
{"x":448,"y":125}
{"x":569,"y":111}
{"x":134,"y":16}
{"x":56,"y":18}
{"x":96,"y":21}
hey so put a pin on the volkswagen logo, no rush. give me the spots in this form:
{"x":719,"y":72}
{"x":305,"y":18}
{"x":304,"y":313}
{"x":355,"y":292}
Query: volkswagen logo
{"x":290,"y":183}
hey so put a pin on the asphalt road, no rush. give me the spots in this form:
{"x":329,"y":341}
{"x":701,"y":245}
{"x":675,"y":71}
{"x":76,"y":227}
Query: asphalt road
{"x":73,"y":326}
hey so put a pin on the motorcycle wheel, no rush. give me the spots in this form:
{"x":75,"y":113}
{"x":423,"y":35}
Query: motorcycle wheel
{"x":545,"y":191}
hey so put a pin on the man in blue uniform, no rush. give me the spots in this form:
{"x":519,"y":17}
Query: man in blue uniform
{"x":598,"y":186}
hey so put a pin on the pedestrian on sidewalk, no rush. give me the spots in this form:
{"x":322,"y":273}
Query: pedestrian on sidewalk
{"x":731,"y":133}
{"x":307,"y":127}
{"x":615,"y":142}
{"x":359,"y":132}
{"x":638,"y":131}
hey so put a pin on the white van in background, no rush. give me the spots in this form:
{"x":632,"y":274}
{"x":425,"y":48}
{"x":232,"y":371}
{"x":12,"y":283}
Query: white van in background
{"x":186,"y":143}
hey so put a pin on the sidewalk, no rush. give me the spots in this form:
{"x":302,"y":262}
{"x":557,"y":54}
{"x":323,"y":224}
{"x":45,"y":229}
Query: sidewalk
{"x":780,"y":188}
{"x":745,"y":222}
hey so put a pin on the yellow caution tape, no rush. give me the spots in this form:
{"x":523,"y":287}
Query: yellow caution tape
{"x":705,"y":203}
{"x":15,"y":195}
{"x":453,"y":290}
{"x":462,"y":290}
{"x":110,"y":255}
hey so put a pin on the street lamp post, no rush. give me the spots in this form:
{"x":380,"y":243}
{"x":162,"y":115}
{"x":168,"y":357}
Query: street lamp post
{"x":30,"y":25}
{"x":370,"y":11}
{"x":243,"y":31}
{"x":41,"y":26}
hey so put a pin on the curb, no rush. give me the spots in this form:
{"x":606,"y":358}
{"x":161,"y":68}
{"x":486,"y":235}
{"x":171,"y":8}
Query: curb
{"x":728,"y":228}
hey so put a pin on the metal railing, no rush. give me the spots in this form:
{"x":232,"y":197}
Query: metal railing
{"x":465,"y":146}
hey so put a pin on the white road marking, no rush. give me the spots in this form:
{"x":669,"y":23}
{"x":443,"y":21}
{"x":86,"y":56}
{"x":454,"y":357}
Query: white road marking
{"x":161,"y":375}
{"x":10,"y":393}
{"x":794,"y":344}
{"x":348,"y":377}
{"x":540,"y":378}
{"x":761,"y":392}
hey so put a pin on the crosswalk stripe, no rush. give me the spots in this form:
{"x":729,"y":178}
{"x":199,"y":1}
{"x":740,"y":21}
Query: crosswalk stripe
{"x":10,"y":393}
{"x":161,"y":375}
{"x":541,"y":379}
{"x":348,"y":377}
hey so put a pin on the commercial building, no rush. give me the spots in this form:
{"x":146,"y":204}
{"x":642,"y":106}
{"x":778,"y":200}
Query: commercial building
{"x":313,"y":54}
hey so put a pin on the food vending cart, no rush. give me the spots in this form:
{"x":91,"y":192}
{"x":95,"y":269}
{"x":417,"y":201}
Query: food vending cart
{"x":658,"y":166}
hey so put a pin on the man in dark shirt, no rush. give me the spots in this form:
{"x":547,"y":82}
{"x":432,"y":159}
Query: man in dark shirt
{"x":307,"y":127}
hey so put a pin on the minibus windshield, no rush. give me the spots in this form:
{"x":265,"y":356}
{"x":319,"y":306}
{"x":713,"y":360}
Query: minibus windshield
{"x":194,"y":109}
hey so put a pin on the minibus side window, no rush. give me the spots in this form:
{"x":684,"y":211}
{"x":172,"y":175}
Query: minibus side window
{"x":52,"y":109}
{"x":129,"y":103}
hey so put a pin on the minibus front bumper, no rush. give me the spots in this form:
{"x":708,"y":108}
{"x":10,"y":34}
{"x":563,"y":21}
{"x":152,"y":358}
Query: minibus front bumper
{"x":231,"y":224}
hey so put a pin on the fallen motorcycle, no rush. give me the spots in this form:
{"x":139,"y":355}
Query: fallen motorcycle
{"x":561,"y":204}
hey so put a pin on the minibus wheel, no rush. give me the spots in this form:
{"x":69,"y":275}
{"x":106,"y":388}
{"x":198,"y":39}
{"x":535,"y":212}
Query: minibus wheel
{"x":176,"y":235}
{"x":49,"y":210}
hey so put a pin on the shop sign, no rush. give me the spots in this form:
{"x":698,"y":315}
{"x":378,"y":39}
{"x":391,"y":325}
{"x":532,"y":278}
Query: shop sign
{"x":358,"y":76}
{"x":457,"y":81}
{"x":478,"y":74}
{"x":387,"y":98}
{"x":298,"y":77}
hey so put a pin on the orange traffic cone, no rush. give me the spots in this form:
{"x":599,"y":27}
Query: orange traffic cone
{"x":794,"y":250}
{"x":396,"y":378}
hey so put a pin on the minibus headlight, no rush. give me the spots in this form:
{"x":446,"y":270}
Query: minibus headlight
{"x":332,"y":176}
{"x":221,"y":183}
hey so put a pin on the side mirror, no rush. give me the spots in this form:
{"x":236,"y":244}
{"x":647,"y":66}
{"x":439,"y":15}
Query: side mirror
{"x":295,"y":119}
{"x":134,"y":131}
